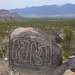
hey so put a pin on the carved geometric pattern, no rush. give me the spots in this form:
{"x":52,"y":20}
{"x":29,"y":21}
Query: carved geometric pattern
{"x":24,"y":50}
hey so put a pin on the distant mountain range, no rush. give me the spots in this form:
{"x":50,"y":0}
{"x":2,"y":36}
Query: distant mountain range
{"x":67,"y":10}
{"x":6,"y":13}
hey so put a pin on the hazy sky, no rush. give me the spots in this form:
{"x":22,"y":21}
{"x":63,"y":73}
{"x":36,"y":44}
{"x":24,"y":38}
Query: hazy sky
{"x":11,"y":4}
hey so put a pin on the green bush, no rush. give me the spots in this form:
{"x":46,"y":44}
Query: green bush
{"x":68,"y":36}
{"x":67,"y":42}
{"x":12,"y":73}
{"x":5,"y":28}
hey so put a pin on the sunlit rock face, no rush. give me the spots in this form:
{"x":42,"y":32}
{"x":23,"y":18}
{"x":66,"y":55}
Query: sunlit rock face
{"x":69,"y":72}
{"x":32,"y":49}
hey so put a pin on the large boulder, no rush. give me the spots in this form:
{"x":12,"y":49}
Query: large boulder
{"x":57,"y":36}
{"x":70,"y":64}
{"x":32,"y":49}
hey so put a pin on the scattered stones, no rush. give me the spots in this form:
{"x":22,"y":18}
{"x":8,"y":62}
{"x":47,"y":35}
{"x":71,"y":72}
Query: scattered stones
{"x":32,"y":49}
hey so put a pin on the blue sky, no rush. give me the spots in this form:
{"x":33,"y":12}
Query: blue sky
{"x":11,"y":4}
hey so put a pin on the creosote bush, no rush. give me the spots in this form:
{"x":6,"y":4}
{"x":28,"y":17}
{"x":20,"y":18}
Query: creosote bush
{"x":5,"y":28}
{"x":67,"y":42}
{"x":68,"y":35}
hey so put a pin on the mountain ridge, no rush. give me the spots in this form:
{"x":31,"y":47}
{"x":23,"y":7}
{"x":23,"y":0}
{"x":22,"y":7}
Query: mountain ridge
{"x":46,"y":10}
{"x":6,"y":13}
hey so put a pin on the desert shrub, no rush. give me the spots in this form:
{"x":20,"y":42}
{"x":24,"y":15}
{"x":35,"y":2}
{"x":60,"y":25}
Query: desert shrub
{"x":68,"y":36}
{"x":12,"y":73}
{"x":5,"y":28}
{"x":3,"y":51}
{"x":67,"y":42}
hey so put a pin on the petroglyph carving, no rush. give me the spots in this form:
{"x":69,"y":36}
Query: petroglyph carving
{"x":40,"y":55}
{"x":30,"y":48}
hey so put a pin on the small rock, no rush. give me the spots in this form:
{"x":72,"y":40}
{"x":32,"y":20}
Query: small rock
{"x":69,"y":72}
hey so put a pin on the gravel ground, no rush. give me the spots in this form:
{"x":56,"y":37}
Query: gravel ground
{"x":3,"y":67}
